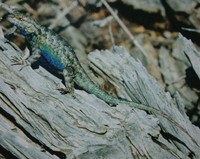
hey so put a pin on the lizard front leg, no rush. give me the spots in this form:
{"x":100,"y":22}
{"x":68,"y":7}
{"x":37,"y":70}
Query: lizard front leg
{"x":27,"y":61}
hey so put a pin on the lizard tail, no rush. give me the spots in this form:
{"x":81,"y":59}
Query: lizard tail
{"x":158,"y":112}
{"x":82,"y":80}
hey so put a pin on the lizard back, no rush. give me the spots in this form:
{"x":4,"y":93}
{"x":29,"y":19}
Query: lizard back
{"x":56,"y":50}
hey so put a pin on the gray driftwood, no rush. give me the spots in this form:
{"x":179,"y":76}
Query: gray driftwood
{"x":37,"y":121}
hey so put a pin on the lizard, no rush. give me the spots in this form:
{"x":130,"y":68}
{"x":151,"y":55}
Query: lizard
{"x":59,"y":54}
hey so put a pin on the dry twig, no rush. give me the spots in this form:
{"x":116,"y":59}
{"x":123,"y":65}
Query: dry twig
{"x":123,"y":27}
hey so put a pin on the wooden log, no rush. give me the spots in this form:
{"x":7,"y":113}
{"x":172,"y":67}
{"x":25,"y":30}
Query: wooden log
{"x":37,"y":121}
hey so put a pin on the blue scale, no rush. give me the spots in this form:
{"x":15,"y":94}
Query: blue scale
{"x":48,"y":54}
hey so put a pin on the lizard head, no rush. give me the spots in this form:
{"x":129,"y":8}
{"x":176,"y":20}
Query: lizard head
{"x":24,"y":23}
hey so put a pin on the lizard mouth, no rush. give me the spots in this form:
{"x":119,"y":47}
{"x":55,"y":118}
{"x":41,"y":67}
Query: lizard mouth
{"x":11,"y":18}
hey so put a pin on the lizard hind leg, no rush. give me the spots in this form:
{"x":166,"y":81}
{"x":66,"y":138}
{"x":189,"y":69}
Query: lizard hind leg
{"x":68,"y":74}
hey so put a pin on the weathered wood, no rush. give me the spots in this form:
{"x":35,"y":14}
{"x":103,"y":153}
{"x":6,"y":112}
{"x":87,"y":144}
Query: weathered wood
{"x":150,"y":6}
{"x":184,"y":11}
{"x":37,"y":121}
{"x":192,"y":54}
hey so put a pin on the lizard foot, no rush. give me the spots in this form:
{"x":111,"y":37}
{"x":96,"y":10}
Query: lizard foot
{"x":19,"y":61}
{"x":67,"y":91}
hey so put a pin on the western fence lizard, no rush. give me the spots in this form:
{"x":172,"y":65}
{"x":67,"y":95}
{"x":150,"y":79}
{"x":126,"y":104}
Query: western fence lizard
{"x":60,"y":55}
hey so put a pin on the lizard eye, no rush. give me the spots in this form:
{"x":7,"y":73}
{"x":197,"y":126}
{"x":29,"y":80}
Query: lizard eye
{"x":29,"y":27}
{"x":20,"y":18}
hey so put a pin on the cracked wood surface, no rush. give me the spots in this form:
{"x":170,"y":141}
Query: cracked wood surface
{"x":37,"y":121}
